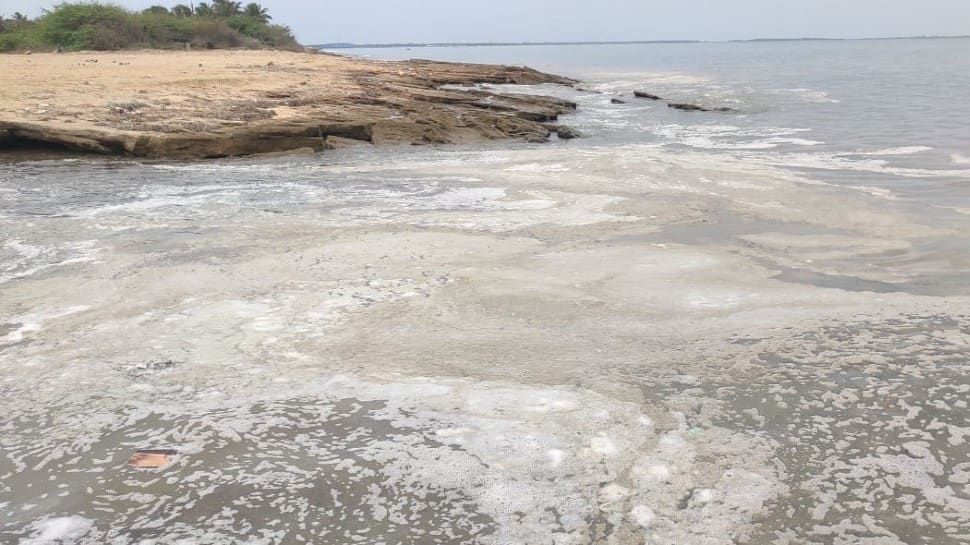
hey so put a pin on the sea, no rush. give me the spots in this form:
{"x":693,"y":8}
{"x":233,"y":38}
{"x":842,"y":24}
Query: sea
{"x":713,"y":327}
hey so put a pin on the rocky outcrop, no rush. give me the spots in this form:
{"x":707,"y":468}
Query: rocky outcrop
{"x":682,"y":106}
{"x":648,"y":96}
{"x":567,"y":133}
{"x":617,"y":101}
{"x":409,"y":102}
{"x":687,"y":107}
{"x":696,"y":108}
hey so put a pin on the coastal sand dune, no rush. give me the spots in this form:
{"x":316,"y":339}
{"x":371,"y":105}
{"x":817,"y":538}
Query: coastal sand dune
{"x":201,"y":104}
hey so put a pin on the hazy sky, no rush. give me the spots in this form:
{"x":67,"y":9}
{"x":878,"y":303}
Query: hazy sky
{"x":581,"y":20}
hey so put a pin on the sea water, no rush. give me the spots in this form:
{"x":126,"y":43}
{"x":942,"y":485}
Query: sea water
{"x":684,"y":327}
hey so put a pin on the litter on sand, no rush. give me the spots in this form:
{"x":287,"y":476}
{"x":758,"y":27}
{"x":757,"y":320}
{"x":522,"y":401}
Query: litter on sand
{"x":152,"y":458}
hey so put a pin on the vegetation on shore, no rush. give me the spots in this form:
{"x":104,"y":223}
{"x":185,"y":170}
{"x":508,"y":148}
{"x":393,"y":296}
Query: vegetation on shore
{"x":96,"y":26}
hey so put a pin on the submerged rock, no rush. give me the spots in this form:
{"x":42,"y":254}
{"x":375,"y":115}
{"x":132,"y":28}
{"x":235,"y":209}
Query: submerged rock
{"x":648,"y":96}
{"x":687,"y":107}
{"x":695,"y":108}
{"x":617,"y":101}
{"x":568,"y":133}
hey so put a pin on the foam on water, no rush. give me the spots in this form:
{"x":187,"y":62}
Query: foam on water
{"x":23,"y":259}
{"x":58,"y":531}
{"x":680,"y":329}
{"x":505,"y":455}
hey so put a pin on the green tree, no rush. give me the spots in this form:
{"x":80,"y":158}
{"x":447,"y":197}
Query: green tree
{"x":181,"y":10}
{"x":226,"y":8}
{"x":157,"y":10}
{"x":257,"y":12}
{"x":19,"y":17}
{"x":203,"y":10}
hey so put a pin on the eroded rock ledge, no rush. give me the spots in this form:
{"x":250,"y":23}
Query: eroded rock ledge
{"x":190,"y":105}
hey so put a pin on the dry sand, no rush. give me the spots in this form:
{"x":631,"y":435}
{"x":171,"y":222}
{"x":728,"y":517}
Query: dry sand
{"x":223,"y":103}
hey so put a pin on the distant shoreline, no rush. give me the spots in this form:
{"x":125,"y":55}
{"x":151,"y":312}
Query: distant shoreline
{"x":340,"y":45}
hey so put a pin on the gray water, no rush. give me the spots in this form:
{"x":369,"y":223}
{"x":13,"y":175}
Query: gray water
{"x":697,"y":328}
{"x":899,"y":104}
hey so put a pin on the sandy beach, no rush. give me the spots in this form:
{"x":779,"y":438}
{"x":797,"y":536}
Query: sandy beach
{"x":199,"y":104}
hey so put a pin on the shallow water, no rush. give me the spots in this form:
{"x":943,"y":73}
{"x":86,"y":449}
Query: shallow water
{"x":684,"y":328}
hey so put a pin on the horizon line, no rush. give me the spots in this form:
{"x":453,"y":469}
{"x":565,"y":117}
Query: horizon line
{"x":351,"y":45}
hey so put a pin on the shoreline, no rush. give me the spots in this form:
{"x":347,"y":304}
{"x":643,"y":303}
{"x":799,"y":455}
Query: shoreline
{"x":228,"y":103}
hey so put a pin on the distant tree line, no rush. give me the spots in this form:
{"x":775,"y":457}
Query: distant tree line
{"x":97,"y":26}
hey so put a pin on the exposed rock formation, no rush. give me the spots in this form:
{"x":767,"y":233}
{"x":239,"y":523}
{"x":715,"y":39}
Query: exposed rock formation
{"x":648,"y":96}
{"x":678,"y":105}
{"x":241,"y":103}
{"x":567,"y":133}
{"x":687,"y":107}
{"x":696,"y":108}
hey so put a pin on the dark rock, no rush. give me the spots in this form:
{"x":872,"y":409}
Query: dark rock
{"x":245,"y":140}
{"x":687,"y":107}
{"x":567,"y":133}
{"x":617,"y":101}
{"x":538,"y":117}
{"x":724,"y":109}
{"x":641,"y":94}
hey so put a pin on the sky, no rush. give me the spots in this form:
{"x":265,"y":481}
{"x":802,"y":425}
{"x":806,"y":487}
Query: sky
{"x":384,"y":21}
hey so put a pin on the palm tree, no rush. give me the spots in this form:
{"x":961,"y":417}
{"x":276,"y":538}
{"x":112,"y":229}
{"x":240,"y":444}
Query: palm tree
{"x":257,"y":11}
{"x":203,"y":10}
{"x":226,"y":8}
{"x":181,"y":10}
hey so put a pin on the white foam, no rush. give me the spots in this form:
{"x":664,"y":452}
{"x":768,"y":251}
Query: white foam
{"x":539,"y":167}
{"x":958,"y":159}
{"x":811,"y":95}
{"x":729,"y":137}
{"x":642,"y":515}
{"x":33,"y":323}
{"x":58,"y":530}
{"x":902,"y":150}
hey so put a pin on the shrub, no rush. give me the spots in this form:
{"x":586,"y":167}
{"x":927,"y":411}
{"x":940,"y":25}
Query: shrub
{"x":20,"y":38}
{"x":162,"y":30}
{"x":214,"y":34}
{"x":106,"y":26}
{"x":89,"y":26}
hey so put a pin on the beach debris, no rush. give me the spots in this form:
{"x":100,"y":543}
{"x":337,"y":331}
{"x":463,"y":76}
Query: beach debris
{"x":617,"y":101}
{"x":648,"y":96}
{"x":152,"y":458}
{"x":126,"y":107}
{"x":143,"y":370}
